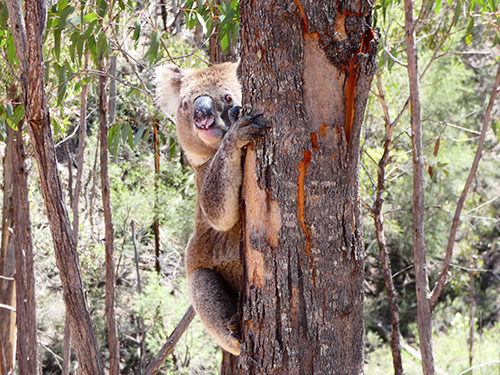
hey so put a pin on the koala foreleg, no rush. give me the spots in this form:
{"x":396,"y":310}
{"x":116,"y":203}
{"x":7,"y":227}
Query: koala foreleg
{"x":222,"y":175}
{"x":213,"y":301}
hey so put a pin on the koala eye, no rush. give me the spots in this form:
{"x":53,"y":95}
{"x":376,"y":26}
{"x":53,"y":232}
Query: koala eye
{"x":228,"y":98}
{"x":185,"y":105}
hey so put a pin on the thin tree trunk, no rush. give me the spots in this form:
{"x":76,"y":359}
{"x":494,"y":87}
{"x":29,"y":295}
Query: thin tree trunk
{"x":27,"y":357}
{"x":380,"y":233}
{"x":7,"y":260}
{"x":82,"y":133}
{"x":156,"y":226}
{"x":471,"y":312}
{"x":419,"y":251}
{"x":302,"y":297}
{"x":140,"y":335}
{"x":114,"y":345}
{"x":28,"y":38}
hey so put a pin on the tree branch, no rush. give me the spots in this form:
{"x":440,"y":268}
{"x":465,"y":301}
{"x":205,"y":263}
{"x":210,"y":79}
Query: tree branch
{"x":172,"y":341}
{"x":436,"y":292}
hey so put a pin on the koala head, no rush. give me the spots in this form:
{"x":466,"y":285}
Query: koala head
{"x":201,"y":100}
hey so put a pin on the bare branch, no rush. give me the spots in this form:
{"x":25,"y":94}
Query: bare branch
{"x":456,"y":218}
{"x":169,"y":346}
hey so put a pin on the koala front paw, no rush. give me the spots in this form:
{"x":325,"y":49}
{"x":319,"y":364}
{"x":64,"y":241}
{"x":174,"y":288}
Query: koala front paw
{"x":245,"y":127}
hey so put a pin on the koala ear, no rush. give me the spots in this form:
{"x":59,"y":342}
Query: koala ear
{"x":168,"y":84}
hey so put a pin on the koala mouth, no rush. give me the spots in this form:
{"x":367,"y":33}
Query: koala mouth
{"x":204,"y":123}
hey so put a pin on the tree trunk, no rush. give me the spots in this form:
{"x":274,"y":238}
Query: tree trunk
{"x":308,"y":68}
{"x":82,"y":133}
{"x":28,"y":38}
{"x":7,"y":262}
{"x":114,"y":345}
{"x":27,"y":358}
{"x":419,"y":251}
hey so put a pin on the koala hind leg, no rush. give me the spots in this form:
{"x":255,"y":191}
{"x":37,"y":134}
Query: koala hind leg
{"x":213,"y":301}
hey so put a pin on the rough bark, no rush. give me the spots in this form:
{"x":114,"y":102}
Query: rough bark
{"x":114,"y":345}
{"x":28,"y":39}
{"x":7,"y":261}
{"x":424,"y":318}
{"x":308,"y":68}
{"x":27,"y":357}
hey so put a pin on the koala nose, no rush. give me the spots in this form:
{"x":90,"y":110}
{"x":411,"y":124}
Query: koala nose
{"x":203,"y":115}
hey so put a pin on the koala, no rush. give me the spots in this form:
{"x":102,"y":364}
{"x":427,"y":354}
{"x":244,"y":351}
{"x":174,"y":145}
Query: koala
{"x":212,"y":131}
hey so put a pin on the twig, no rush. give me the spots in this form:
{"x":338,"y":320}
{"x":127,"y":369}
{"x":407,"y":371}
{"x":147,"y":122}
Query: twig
{"x":169,"y":346}
{"x":2,"y":306}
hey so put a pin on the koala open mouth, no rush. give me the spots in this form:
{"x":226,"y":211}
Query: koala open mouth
{"x":204,"y":122}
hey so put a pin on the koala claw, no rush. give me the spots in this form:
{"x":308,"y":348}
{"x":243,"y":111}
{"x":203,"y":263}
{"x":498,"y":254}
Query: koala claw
{"x":235,"y":113}
{"x":234,"y":326}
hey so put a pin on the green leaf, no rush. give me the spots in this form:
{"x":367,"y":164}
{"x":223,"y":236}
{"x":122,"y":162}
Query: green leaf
{"x":64,"y":15}
{"x":202,"y":23}
{"x":61,"y":91}
{"x":57,"y":43}
{"x":4,"y":16}
{"x":438,"y":6}
{"x":62,"y":4}
{"x":224,"y":43}
{"x":458,"y":10}
{"x":495,"y":125}
{"x":138,"y":135}
{"x":11,"y":49}
{"x":493,"y":5}
{"x":89,"y":30}
{"x":103,"y":8}
{"x":90,"y":17}
{"x":102,"y":44}
{"x":9,"y":109}
{"x":153,"y":48}
{"x":18,"y":114}
{"x":79,"y":49}
{"x":129,"y":135}
{"x":468,"y":39}
{"x":171,"y":142}
{"x":480,"y":3}
{"x":137,"y":30}
{"x":495,"y":41}
{"x":470,"y":25}
{"x":91,"y":47}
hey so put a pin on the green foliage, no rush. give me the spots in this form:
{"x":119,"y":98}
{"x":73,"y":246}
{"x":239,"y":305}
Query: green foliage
{"x":220,"y":20}
{"x":162,"y":307}
{"x":450,"y":351}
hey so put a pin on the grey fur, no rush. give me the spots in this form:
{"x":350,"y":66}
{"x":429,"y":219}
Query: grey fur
{"x":212,"y":256}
